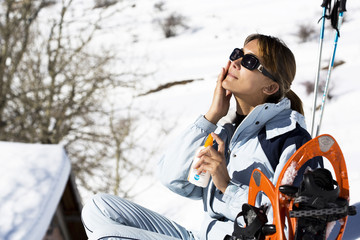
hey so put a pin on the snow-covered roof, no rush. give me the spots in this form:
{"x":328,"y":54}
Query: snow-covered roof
{"x":32,"y":180}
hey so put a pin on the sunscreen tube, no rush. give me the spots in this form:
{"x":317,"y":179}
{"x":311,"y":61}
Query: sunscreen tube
{"x":202,"y":179}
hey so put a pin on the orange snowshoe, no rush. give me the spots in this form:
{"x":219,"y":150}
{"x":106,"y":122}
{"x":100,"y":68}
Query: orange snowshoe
{"x":303,"y":212}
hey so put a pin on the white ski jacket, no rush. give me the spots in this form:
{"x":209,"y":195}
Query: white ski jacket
{"x":265,"y":140}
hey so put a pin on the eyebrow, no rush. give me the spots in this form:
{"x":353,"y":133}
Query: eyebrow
{"x":253,"y":54}
{"x":249,"y":52}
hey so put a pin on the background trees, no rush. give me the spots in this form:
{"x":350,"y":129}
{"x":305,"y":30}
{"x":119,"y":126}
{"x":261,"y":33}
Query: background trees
{"x":54,"y":85}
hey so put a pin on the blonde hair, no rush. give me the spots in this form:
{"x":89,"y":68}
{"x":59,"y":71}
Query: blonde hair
{"x":280,"y":62}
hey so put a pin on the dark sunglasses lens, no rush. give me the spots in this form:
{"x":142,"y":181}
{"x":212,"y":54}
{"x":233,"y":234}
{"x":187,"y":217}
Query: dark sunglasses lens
{"x":250,"y":62}
{"x":236,"y":54}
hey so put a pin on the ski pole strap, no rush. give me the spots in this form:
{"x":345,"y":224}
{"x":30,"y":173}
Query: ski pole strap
{"x":334,"y":16}
{"x":326,"y":5}
{"x":338,"y":9}
{"x":342,"y":7}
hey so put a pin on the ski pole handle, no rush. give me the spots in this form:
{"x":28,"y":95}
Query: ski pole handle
{"x":326,"y":4}
{"x":342,"y":7}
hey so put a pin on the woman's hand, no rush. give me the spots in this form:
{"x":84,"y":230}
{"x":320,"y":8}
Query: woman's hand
{"x":221,"y":99}
{"x":214,"y":162}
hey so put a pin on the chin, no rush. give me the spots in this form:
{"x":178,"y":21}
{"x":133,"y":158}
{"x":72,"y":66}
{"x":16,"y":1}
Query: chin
{"x":226,"y":84}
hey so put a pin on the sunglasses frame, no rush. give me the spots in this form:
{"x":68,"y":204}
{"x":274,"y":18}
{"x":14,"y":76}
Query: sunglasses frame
{"x":258,"y":65}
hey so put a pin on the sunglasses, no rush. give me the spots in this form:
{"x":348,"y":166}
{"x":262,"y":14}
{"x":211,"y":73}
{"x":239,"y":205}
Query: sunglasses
{"x":250,"y":62}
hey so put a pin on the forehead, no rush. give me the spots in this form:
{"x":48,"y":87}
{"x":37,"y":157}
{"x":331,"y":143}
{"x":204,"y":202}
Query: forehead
{"x":252,"y":47}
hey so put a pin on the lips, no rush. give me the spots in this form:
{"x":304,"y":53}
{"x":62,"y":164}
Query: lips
{"x":231,"y":75}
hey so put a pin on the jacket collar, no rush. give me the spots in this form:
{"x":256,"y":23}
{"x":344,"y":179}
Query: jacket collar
{"x":278,"y":118}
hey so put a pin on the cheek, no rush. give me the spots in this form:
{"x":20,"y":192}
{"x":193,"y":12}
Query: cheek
{"x":246,"y":82}
{"x":241,"y":85}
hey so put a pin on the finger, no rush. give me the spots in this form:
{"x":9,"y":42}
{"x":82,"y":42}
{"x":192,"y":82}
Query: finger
{"x":221,"y":76}
{"x":228,"y":94}
{"x":220,"y":142}
{"x":203,"y":152}
{"x":205,"y":157}
{"x":204,"y":168}
{"x":224,"y":71}
{"x":201,"y":169}
{"x":199,"y":163}
{"x":209,"y":151}
{"x":227,"y":66}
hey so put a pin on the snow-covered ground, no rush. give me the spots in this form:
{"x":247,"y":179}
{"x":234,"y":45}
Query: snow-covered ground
{"x":199,"y":52}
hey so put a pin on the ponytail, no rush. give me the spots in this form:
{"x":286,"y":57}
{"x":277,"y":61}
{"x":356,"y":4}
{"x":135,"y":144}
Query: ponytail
{"x":296,"y":103}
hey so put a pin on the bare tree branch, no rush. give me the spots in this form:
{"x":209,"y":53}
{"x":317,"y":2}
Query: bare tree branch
{"x":52,"y":90}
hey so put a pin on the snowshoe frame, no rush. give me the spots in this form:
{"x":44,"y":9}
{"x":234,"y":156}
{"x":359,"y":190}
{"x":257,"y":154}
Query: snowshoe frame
{"x":325,"y":146}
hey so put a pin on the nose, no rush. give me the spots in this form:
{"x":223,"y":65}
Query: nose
{"x":237,"y":63}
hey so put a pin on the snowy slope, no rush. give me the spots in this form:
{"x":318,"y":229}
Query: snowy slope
{"x":199,"y":52}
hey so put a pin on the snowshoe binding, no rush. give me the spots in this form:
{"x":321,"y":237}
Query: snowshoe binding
{"x":316,"y":203}
{"x":256,"y":227}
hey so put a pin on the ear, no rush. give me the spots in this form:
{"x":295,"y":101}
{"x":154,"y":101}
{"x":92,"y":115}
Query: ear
{"x":271,"y":88}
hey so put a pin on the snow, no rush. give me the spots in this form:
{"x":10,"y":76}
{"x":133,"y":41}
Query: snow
{"x":32,"y":180}
{"x":289,"y":175}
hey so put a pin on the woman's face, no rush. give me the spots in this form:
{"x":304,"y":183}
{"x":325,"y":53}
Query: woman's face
{"x":248,"y":85}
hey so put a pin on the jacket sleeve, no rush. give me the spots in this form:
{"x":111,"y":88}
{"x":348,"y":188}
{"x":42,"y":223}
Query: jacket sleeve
{"x":174,"y":165}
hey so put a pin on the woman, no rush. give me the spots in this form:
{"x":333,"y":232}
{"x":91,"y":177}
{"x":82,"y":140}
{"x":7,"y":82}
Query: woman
{"x":266,"y":129}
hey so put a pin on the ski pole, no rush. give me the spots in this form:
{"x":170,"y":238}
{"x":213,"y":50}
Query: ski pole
{"x":342,"y":9}
{"x":325,"y":5}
